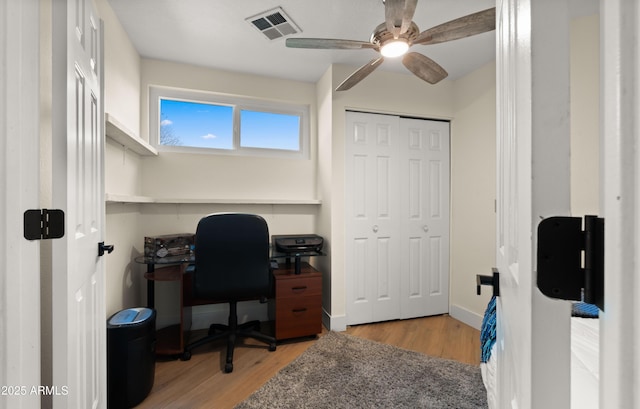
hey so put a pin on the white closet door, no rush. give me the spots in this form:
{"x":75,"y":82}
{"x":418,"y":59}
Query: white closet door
{"x":397,"y":217}
{"x":372,"y":218}
{"x":424,"y":180}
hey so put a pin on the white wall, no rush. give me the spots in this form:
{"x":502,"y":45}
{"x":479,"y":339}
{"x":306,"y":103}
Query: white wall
{"x":121,"y":71}
{"x":473,"y":187}
{"x":324,"y":93}
{"x":585,"y":113}
{"x":122,"y":100}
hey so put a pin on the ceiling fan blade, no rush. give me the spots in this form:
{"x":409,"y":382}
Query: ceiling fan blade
{"x":462,"y":27}
{"x":360,"y":74}
{"x":398,"y":15}
{"x":327,"y":43}
{"x":424,"y":67}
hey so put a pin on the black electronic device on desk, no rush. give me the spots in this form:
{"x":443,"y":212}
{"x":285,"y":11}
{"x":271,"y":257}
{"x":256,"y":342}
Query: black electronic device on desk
{"x":296,"y":246}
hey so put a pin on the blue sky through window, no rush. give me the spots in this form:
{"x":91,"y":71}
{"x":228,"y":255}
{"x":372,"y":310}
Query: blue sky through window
{"x":204,"y":125}
{"x":269,"y":130}
{"x":195,"y":124}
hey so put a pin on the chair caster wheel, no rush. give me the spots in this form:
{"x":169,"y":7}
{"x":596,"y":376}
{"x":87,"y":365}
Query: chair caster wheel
{"x":186,"y":355}
{"x":272,"y":347}
{"x":228,"y":367}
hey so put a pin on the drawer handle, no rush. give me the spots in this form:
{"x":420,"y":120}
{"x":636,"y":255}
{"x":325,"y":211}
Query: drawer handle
{"x":298,"y":289}
{"x":298,"y":310}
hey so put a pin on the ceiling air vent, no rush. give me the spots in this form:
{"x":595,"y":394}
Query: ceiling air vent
{"x":274,"y":24}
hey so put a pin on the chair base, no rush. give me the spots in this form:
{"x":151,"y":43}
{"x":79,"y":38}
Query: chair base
{"x":231,"y":332}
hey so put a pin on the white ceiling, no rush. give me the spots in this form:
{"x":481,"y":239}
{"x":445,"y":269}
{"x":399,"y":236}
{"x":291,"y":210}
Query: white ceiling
{"x":216,"y":34}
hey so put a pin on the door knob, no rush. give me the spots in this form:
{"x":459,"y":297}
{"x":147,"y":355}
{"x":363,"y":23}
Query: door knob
{"x":375,"y":228}
{"x":104,"y":247}
{"x":425,"y":228}
{"x":492,"y":280}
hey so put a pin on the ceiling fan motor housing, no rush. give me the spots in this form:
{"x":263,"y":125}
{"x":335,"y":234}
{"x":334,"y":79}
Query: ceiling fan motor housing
{"x":381,"y":35}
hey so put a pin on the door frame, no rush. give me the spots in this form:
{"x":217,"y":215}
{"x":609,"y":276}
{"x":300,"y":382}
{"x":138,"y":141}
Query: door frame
{"x":19,"y":173}
{"x":619,"y":203}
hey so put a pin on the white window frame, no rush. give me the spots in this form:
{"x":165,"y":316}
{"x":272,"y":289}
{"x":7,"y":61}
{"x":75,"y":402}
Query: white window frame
{"x":238,"y":103}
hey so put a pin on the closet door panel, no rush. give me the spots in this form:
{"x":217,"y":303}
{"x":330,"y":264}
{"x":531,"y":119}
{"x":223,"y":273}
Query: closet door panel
{"x":397,"y":217}
{"x":425,"y":217}
{"x":372,"y":218}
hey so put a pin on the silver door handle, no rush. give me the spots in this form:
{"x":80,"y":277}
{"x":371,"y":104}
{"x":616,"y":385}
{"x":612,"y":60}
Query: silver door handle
{"x":425,"y":228}
{"x":375,"y":228}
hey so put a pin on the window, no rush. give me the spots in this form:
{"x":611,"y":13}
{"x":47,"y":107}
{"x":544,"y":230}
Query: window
{"x":269,"y":130}
{"x":195,"y":124}
{"x":190,"y":121}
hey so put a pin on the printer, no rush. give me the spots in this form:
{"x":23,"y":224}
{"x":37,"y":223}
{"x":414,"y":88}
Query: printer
{"x":297,"y":243}
{"x":296,"y":246}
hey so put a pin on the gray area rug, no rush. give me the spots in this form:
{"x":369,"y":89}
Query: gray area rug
{"x":343,"y":371}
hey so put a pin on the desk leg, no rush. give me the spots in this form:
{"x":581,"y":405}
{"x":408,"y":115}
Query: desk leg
{"x":297,"y":265}
{"x":151,"y":287}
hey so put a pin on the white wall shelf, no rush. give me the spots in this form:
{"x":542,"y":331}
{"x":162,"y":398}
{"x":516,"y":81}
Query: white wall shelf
{"x":114,"y":198}
{"x":119,"y":133}
{"x":111,"y":198}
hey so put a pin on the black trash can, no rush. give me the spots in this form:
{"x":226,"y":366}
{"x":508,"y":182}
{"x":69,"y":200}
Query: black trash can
{"x":131,"y":356}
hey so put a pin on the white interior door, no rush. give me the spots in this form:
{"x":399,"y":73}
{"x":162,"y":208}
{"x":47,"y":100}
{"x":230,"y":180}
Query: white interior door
{"x":424,"y":181}
{"x":79,"y":322}
{"x":533,"y":332}
{"x":373,"y":218}
{"x":397,"y":223}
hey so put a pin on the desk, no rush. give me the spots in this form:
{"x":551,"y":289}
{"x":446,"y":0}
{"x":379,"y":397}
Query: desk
{"x":296,"y":309}
{"x":171,"y":339}
{"x":170,"y":273}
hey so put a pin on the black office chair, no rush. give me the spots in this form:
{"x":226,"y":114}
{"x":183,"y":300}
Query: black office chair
{"x":232,"y":264}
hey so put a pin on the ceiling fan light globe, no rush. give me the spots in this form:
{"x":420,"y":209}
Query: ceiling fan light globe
{"x":394,"y":48}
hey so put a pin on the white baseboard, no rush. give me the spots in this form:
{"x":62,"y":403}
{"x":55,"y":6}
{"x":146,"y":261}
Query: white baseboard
{"x":339,"y":322}
{"x":464,"y":315}
{"x":336,"y":323}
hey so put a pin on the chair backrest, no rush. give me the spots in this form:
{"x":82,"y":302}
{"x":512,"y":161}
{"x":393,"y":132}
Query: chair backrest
{"x":232,"y":257}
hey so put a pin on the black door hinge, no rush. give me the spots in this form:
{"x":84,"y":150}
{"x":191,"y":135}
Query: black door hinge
{"x":571,"y":260}
{"x":42,"y":224}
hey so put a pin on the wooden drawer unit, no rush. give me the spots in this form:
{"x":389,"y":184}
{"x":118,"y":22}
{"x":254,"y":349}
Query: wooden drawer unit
{"x":298,"y":302}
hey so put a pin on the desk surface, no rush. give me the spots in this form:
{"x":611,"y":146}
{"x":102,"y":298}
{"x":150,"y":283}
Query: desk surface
{"x":184,"y":258}
{"x":190,"y":258}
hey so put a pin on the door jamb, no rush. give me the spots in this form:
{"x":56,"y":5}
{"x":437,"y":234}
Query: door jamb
{"x":20,"y":260}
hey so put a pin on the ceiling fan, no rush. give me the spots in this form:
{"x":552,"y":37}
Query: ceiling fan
{"x":397,"y":34}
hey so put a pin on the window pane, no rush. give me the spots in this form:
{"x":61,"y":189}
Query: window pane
{"x":196,"y":124}
{"x":270,"y":131}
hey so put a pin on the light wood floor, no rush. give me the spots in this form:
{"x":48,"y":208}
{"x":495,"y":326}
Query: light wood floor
{"x":202,"y":383}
